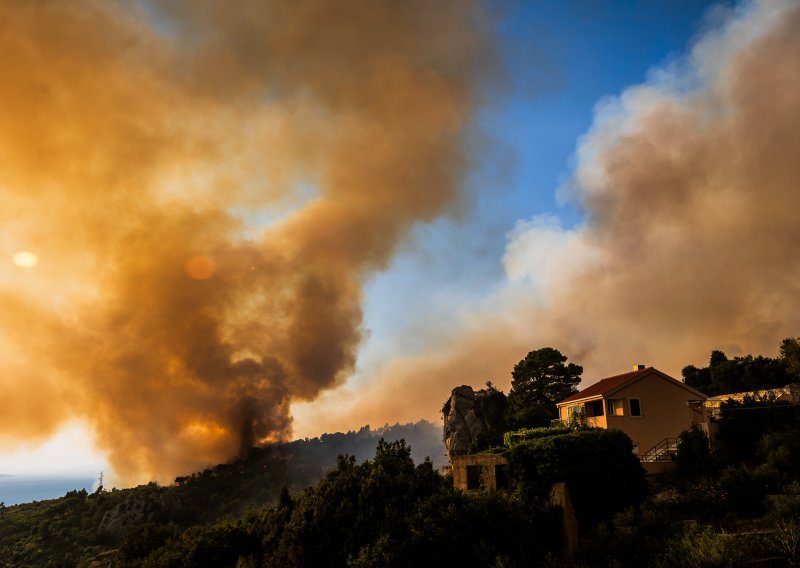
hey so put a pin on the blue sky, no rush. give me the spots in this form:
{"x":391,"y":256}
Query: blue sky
{"x":561,"y":59}
{"x":673,"y":122}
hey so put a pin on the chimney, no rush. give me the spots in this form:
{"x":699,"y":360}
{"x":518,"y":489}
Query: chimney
{"x":639,"y":367}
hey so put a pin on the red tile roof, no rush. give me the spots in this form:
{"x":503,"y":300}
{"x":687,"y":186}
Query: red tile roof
{"x":605,"y":385}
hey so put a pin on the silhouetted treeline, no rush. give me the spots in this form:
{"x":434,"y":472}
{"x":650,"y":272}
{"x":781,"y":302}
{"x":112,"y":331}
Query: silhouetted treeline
{"x":77,"y":526}
{"x":384,"y":512}
{"x":746,"y":373}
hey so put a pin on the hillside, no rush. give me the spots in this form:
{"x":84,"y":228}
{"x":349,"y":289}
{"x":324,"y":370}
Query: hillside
{"x":77,"y":527}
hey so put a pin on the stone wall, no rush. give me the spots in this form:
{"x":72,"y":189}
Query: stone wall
{"x":487,"y":471}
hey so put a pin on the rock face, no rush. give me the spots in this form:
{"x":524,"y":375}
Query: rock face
{"x":462,"y":424}
{"x":131,"y":512}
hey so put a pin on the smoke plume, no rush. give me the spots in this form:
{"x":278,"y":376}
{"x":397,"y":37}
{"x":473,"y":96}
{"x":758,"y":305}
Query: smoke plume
{"x":200,"y":189}
{"x":691,"y":186}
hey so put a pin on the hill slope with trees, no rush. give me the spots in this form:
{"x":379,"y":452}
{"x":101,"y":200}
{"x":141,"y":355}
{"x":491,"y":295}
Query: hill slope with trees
{"x":79,"y":526}
{"x":319,"y":502}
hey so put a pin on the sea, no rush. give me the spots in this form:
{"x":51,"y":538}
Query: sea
{"x":16,"y":489}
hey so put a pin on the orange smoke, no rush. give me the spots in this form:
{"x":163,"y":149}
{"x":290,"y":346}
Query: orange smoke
{"x":691,"y":185}
{"x":199,"y":267}
{"x":293,"y":143}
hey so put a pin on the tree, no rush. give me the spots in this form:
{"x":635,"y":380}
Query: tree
{"x":790,"y":354}
{"x":699,"y":379}
{"x":491,"y":405}
{"x":538,"y":382}
{"x":694,"y":453}
{"x":745,"y":373}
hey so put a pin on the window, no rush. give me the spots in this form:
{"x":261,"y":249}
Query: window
{"x":594,"y":408}
{"x":473,"y":477}
{"x":636,"y":407}
{"x":615,"y":407}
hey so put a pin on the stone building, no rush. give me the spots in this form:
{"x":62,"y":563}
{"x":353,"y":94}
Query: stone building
{"x":474,"y":472}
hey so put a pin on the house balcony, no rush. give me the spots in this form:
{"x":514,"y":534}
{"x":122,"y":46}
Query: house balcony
{"x":595,"y":421}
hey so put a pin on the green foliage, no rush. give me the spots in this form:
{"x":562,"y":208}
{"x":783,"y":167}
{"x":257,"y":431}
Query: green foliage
{"x":383,"y":512}
{"x":757,"y":451}
{"x":602,"y":474}
{"x":661,"y":536}
{"x":491,"y":406}
{"x":699,"y":379}
{"x":744,"y":491}
{"x":702,"y":547}
{"x":387,"y":511}
{"x":66,"y":530}
{"x":456,"y":529}
{"x":514,"y":437}
{"x":790,"y":355}
{"x":694,"y":454}
{"x":784,"y":517}
{"x":140,"y":540}
{"x":742,"y":426}
{"x":354,"y":506}
{"x":779,"y":452}
{"x":633,"y":538}
{"x":538,"y":382}
{"x":742,"y":374}
{"x":218,"y":545}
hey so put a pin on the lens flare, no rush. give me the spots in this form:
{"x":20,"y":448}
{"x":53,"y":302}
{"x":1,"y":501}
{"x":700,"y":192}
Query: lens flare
{"x":200,"y":267}
{"x":25,"y":259}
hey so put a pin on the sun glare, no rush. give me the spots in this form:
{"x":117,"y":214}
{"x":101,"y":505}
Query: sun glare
{"x":25,"y":259}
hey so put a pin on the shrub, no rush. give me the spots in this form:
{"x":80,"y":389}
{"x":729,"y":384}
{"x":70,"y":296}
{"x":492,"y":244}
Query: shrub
{"x":701,"y":547}
{"x":744,"y":491}
{"x":632,"y":539}
{"x":694,"y":454}
{"x":784,"y":517}
{"x":516,"y":436}
{"x":143,"y":539}
{"x":601,"y":471}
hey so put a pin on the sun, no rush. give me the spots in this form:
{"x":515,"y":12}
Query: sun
{"x":25,"y":259}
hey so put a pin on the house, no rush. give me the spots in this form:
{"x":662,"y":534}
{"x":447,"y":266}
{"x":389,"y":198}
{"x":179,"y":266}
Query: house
{"x":651,"y":407}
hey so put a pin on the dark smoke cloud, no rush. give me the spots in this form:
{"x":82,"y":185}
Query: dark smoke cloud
{"x":691,"y":184}
{"x":141,"y":156}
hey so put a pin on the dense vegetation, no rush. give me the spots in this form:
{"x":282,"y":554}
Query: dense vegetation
{"x":538,"y":382}
{"x":79,"y":526}
{"x":731,"y":501}
{"x":384,"y":512}
{"x":746,"y":373}
{"x":737,"y":505}
{"x":601,"y":472}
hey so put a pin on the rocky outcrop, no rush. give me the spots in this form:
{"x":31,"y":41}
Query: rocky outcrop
{"x":131,"y":512}
{"x":462,"y":423}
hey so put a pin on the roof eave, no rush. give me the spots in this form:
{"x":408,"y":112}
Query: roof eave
{"x":566,"y":402}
